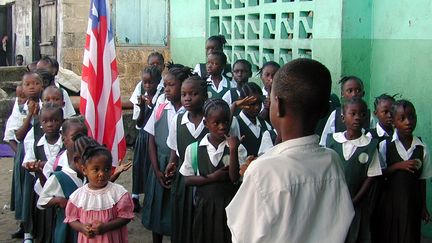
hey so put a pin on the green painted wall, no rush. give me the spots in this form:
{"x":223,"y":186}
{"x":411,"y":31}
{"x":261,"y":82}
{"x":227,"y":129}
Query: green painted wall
{"x":356,"y":41}
{"x":188,"y":31}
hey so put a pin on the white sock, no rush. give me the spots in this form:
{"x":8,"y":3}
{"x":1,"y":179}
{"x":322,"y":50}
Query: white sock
{"x":135,"y":196}
{"x":28,"y":236}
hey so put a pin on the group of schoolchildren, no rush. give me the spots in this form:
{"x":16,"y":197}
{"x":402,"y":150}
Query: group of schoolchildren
{"x":198,"y":132}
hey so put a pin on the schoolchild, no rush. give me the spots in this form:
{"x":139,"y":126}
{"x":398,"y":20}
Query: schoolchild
{"x":360,"y":160}
{"x":44,"y":148}
{"x":219,"y":84}
{"x":282,"y":188}
{"x":351,"y":86}
{"x":185,"y":129}
{"x":251,"y":125}
{"x":384,"y":129}
{"x":402,"y":205}
{"x":212,"y":165}
{"x":52,"y":66}
{"x":242,"y":71}
{"x":213,"y":43}
{"x":64,"y":180}
{"x":17,"y":126}
{"x":157,"y":202}
{"x":144,"y":99}
{"x":266,"y":73}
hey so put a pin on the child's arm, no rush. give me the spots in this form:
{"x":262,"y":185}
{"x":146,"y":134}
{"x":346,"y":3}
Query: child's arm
{"x":364,"y":189}
{"x":21,"y":132}
{"x":221,"y":174}
{"x":425,"y":212}
{"x":56,"y":201}
{"x":145,"y":101}
{"x":85,"y":229}
{"x":13,"y":144}
{"x":408,"y":165}
{"x":171,"y":168}
{"x":233,"y":144}
{"x":99,"y":228}
{"x":242,"y":104}
{"x":121,"y":167}
{"x":265,"y":112}
{"x":153,"y":159}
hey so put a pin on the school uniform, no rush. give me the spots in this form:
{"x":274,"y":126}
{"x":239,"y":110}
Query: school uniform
{"x":400,"y":205}
{"x":232,"y":96}
{"x":201,"y":70}
{"x":157,"y":201}
{"x":209,"y":214}
{"x":13,"y":123}
{"x":61,"y":184}
{"x":141,"y":161}
{"x":252,"y":132}
{"x":182,"y":133}
{"x":360,"y":160}
{"x":334,"y":124}
{"x":224,"y":86}
{"x":378,"y":133}
{"x":268,"y":140}
{"x":41,"y":150}
{"x":296,"y":192}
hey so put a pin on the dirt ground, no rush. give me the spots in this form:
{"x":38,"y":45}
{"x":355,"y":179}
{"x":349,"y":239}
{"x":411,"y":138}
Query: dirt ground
{"x":137,"y":233}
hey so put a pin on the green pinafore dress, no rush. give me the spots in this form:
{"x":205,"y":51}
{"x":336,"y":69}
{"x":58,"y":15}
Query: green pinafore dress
{"x":355,"y":169}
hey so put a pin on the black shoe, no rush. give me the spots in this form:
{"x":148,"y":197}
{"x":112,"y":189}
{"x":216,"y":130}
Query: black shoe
{"x":19,"y":234}
{"x":137,"y":206}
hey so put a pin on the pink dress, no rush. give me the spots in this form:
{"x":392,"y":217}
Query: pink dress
{"x":87,"y":206}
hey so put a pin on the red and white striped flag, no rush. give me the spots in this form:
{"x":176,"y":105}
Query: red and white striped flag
{"x":100,"y":86}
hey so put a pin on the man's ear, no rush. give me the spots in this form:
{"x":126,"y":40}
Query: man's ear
{"x":280,"y":104}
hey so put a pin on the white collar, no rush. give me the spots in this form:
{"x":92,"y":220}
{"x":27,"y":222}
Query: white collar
{"x":43,"y":141}
{"x":185,"y":118}
{"x":362,"y":141}
{"x":248,"y":121}
{"x":170,"y":106}
{"x":205,"y":142}
{"x":415,"y":142}
{"x":381,"y":132}
{"x":223,"y":82}
{"x":296,"y":142}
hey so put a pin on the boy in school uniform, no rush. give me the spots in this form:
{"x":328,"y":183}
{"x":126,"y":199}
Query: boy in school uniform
{"x":296,"y":192}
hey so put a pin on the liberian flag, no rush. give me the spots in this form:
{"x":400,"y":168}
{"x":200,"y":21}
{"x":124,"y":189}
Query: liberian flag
{"x":100,"y":86}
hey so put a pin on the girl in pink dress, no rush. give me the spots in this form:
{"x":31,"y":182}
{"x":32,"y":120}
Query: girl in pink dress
{"x":100,"y":210}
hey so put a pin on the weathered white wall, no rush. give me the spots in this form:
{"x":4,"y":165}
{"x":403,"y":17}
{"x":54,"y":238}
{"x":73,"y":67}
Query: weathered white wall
{"x":22,"y":19}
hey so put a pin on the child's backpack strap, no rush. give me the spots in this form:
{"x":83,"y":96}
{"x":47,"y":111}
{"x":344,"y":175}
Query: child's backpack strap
{"x":159,"y":110}
{"x":57,"y":160}
{"x":194,"y":153}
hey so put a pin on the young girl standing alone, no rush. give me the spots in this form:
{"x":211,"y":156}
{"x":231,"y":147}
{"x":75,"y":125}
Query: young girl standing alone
{"x":212,"y":165}
{"x":100,"y":210}
{"x":157,"y":202}
{"x":402,"y":206}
